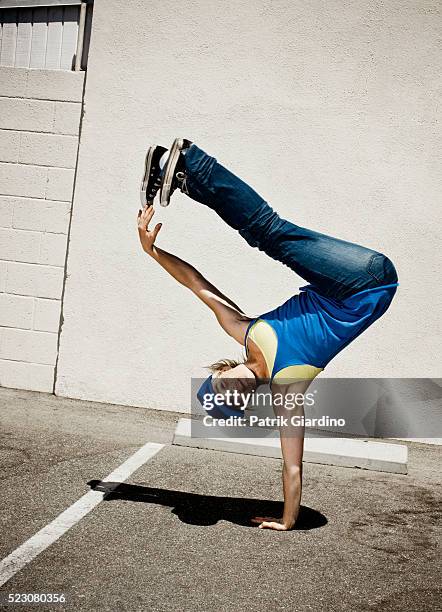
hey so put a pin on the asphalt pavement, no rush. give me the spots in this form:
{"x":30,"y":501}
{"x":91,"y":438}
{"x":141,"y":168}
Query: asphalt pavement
{"x":177,"y":536}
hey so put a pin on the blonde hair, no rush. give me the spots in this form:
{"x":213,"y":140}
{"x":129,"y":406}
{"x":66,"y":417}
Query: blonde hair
{"x":222,"y":365}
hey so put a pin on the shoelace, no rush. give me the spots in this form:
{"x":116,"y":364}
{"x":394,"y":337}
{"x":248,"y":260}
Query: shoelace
{"x":182,"y":179}
{"x":155,"y":187}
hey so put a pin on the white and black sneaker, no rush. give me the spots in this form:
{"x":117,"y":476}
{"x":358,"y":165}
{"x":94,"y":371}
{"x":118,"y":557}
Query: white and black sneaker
{"x":174,"y":174}
{"x":152,"y":174}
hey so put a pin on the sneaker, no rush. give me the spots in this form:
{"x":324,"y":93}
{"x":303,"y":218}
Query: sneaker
{"x":174,"y":171}
{"x":152,"y":174}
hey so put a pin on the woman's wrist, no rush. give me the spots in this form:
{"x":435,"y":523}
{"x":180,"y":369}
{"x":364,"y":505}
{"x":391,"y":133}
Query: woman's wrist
{"x":288,"y":523}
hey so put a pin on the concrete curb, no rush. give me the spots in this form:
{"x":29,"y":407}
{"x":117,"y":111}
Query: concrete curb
{"x":344,"y":452}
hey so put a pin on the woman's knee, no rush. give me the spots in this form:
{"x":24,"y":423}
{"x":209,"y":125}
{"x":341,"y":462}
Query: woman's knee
{"x":382,"y":269}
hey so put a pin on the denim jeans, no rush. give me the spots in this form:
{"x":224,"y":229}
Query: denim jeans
{"x":336,"y":268}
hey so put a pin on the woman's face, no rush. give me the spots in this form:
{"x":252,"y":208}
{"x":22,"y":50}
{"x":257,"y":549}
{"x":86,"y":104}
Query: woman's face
{"x":240,"y":378}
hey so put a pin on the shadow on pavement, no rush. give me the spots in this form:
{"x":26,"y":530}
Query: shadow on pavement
{"x":204,"y":510}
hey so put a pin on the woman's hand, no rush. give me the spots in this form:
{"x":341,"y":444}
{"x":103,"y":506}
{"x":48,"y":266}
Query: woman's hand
{"x":147,"y":236}
{"x":267,"y":522}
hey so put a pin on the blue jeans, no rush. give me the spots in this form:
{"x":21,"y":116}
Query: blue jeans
{"x":336,"y":268}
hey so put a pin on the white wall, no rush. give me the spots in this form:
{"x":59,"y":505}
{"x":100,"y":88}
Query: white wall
{"x":328,"y":109}
{"x":39,"y":122}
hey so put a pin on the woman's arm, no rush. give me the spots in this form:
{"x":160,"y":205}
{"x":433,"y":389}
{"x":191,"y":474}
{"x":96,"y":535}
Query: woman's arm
{"x":229,"y":315}
{"x":292,"y":447}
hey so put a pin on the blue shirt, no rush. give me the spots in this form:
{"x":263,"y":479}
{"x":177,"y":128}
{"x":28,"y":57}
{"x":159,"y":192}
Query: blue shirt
{"x":311,"y":329}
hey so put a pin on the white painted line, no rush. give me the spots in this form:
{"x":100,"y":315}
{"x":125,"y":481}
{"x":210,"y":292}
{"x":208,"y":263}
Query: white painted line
{"x":345,"y":452}
{"x":25,"y":553}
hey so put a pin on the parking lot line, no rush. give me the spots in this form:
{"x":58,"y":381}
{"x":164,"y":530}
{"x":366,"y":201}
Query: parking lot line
{"x":30,"y":549}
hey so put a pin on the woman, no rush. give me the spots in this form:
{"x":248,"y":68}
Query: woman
{"x":350,"y":286}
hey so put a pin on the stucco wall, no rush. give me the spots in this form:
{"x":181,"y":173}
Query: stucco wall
{"x":39,"y":122}
{"x":328,"y":109}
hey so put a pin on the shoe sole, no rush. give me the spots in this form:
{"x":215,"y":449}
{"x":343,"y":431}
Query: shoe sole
{"x":169,"y":170}
{"x":146,"y":175}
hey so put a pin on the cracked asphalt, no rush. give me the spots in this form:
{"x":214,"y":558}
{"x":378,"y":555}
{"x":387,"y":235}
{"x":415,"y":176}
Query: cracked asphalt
{"x":176,"y":536}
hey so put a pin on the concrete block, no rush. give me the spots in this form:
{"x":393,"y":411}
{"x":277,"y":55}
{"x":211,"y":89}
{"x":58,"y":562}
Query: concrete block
{"x":21,"y":375}
{"x":35,"y":280}
{"x":53,"y":249}
{"x":16,"y":311}
{"x":6,"y":211}
{"x":67,"y":118}
{"x":13,"y":81}
{"x":18,"y":245}
{"x":55,"y":85}
{"x":32,"y":115}
{"x":47,"y":315}
{"x":31,"y":346}
{"x":9,"y":145}
{"x":60,"y":184}
{"x":40,"y":215}
{"x":48,"y":150}
{"x":22,"y":180}
{"x":57,"y":216}
{"x":344,"y":452}
{"x":3,"y":271}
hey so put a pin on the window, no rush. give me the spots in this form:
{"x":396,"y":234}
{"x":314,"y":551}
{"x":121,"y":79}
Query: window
{"x":53,"y":35}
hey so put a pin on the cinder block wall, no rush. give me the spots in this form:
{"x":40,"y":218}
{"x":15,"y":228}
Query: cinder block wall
{"x":39,"y":126}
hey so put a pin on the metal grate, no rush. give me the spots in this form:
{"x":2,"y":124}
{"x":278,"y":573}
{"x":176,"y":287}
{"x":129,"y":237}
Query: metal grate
{"x":41,"y":37}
